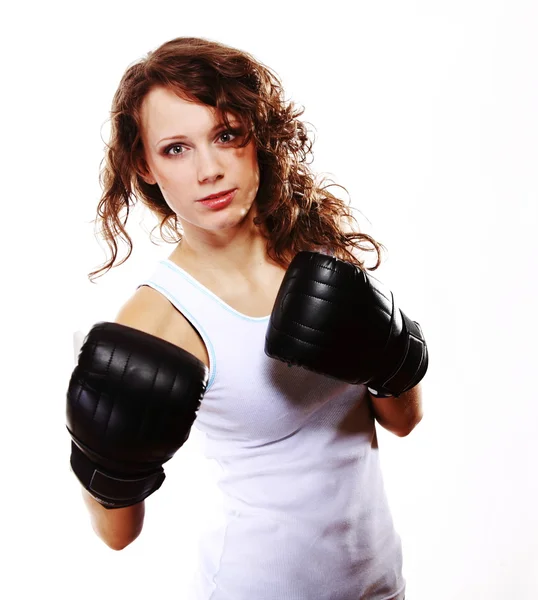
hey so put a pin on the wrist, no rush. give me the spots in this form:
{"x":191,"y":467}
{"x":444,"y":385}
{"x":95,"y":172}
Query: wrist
{"x":113,"y":489}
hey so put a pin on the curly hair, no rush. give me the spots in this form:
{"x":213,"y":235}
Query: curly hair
{"x":294,"y":211}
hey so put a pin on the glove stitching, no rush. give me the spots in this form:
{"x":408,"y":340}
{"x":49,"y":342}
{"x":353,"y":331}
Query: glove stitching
{"x":326,"y":267}
{"x":101,"y":393}
{"x":92,"y":357}
{"x":124,"y":366}
{"x":143,"y":421}
{"x":323,"y":283}
{"x":172,"y":385}
{"x":84,"y":386}
{"x":317,"y":297}
{"x":75,"y":406}
{"x":297,"y":339}
{"x":307,"y":326}
{"x":338,"y":268}
{"x":121,"y":380}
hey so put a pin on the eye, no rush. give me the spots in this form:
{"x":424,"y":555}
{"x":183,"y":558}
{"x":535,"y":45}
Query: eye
{"x":168,"y":152}
{"x":228,"y":132}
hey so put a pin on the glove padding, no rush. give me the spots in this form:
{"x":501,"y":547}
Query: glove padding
{"x":333,"y":318}
{"x":131,"y":403}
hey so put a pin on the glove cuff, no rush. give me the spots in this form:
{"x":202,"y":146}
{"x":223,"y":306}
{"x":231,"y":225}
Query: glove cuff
{"x":412,"y":364}
{"x":113,"y":490}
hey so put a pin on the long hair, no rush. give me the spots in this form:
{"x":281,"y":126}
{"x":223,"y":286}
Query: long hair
{"x":294,"y":211}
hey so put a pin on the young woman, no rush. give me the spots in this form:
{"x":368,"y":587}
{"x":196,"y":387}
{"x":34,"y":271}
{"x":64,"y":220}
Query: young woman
{"x":202,"y":136}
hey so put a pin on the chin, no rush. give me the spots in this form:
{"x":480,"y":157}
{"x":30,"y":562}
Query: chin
{"x":229,"y":223}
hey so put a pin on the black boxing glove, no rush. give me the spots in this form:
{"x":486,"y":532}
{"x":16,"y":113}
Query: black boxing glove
{"x":333,"y":318}
{"x":131,"y":403}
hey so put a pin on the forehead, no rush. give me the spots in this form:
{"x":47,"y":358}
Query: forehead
{"x":164,"y":113}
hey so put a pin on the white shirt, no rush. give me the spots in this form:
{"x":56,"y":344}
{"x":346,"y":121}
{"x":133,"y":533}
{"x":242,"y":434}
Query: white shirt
{"x":305,"y":511}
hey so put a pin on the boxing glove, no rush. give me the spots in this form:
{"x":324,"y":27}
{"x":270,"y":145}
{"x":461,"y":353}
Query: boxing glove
{"x":131,"y":402}
{"x":333,"y":318}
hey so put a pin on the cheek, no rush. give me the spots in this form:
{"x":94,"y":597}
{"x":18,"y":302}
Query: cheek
{"x":170,"y":178}
{"x":171,"y":185}
{"x":249,"y":156}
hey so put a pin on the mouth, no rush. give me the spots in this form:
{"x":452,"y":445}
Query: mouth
{"x":217,"y":195}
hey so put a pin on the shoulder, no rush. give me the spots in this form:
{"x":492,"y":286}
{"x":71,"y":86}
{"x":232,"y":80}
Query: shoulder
{"x":146,"y":310}
{"x":149,"y":311}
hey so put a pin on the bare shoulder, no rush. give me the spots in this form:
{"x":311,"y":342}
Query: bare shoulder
{"x":146,"y":310}
{"x":149,"y":311}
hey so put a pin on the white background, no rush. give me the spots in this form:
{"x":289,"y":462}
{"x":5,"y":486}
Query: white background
{"x":427,"y":113}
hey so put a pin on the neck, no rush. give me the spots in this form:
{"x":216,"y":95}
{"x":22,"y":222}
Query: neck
{"x":238,"y":250}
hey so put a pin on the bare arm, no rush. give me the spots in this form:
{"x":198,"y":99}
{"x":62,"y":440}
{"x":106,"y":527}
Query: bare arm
{"x":399,"y":415}
{"x":117,"y":527}
{"x":150,"y":312}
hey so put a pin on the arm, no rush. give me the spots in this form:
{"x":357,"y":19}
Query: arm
{"x":116,"y":528}
{"x":332,"y":318}
{"x":119,"y":446}
{"x":119,"y":527}
{"x":399,"y":415}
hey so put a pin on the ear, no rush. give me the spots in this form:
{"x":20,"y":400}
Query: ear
{"x":149,"y":179}
{"x":144,"y":172}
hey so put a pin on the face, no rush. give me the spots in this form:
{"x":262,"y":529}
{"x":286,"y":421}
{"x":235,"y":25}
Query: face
{"x":191,"y":155}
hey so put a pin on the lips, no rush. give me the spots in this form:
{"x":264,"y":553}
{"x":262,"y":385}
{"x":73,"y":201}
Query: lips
{"x":219,"y":202}
{"x":217,"y":195}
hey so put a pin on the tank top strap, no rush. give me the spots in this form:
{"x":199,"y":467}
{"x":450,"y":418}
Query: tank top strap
{"x":213,"y":319}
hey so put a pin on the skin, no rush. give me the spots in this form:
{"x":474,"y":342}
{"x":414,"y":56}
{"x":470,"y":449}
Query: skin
{"x":204,"y":163}
{"x":222,"y":249}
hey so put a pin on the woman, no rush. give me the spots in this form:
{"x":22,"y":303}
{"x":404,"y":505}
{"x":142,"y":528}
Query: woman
{"x":202,"y":136}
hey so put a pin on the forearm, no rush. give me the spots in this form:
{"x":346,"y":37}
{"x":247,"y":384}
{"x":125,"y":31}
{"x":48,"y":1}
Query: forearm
{"x":399,"y":415}
{"x":117,"y":527}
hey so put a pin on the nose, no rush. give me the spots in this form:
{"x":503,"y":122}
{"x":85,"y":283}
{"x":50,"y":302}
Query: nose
{"x":209,"y":165}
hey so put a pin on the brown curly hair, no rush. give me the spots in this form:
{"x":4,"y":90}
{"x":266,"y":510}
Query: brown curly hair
{"x":294,"y":212}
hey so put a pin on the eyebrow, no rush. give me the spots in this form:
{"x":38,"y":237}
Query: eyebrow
{"x":213,"y":130}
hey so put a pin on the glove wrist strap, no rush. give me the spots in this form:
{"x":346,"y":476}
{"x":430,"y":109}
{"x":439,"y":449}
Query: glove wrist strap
{"x":411,"y":367}
{"x":113,"y":490}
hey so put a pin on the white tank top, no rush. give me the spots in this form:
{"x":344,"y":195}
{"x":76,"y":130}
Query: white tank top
{"x":306,"y":515}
